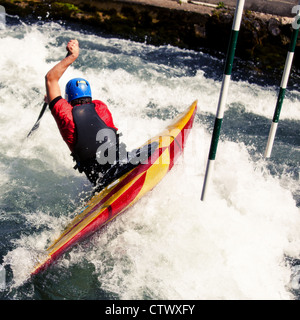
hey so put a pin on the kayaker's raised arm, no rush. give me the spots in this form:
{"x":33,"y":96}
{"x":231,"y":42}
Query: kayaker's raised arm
{"x":53,"y":76}
{"x":80,"y":119}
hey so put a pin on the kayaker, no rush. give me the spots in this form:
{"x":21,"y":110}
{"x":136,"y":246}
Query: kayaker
{"x":86,"y":125}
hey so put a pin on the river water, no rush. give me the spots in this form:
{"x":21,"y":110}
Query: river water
{"x":243,"y":242}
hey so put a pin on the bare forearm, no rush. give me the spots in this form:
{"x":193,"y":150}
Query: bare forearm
{"x":58,"y":70}
{"x":53,"y":76}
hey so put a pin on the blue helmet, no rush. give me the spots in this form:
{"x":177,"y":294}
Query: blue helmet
{"x":78,"y":88}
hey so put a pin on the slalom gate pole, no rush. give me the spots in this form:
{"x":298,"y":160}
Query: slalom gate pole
{"x":223,"y":94}
{"x":283,"y":85}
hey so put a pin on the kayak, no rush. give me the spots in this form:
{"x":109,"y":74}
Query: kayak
{"x":126,"y":190}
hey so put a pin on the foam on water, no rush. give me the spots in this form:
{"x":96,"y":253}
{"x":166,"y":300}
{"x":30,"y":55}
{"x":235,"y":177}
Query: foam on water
{"x":169,"y":245}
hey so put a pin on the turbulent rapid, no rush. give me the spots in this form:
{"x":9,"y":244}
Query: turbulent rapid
{"x":243,"y":242}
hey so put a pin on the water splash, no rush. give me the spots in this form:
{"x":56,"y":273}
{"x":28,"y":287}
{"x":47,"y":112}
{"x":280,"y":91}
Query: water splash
{"x":170,"y":245}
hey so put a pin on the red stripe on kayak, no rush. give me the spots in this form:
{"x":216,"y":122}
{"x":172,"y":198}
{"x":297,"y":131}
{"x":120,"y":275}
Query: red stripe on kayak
{"x":122,"y":202}
{"x":135,"y":172}
{"x":187,"y":128}
{"x":178,"y":144}
{"x":175,"y":151}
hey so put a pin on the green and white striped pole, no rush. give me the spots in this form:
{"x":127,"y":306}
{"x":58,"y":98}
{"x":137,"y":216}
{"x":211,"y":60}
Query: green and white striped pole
{"x":283,"y":85}
{"x":223,"y":94}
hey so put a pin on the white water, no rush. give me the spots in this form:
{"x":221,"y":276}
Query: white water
{"x":170,"y":245}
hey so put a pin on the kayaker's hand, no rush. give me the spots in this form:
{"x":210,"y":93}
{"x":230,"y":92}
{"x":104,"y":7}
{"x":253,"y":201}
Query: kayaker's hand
{"x":53,"y":76}
{"x":73,"y":48}
{"x":46,"y":100}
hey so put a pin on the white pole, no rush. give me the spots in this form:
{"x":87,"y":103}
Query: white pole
{"x":223,"y":95}
{"x":283,"y":85}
